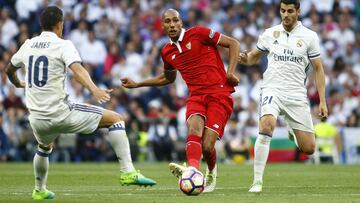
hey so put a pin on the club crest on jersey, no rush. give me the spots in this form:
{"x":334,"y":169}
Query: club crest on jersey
{"x":188,"y":45}
{"x":299,"y":43}
{"x":276,"y":34}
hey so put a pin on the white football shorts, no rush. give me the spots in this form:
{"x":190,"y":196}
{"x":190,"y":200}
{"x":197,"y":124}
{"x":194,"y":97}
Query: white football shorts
{"x":296,"y":111}
{"x":83,"y":118}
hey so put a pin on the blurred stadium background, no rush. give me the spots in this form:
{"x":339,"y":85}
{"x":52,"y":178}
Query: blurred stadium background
{"x":118,"y":38}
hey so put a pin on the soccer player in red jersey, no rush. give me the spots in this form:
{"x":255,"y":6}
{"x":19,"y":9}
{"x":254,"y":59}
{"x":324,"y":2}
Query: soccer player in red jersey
{"x":194,"y":54}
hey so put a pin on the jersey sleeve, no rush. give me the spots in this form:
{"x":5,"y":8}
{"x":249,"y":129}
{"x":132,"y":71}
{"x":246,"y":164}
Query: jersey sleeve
{"x":17,"y":59}
{"x":70,"y":55}
{"x":314,"y":47}
{"x":208,"y":35}
{"x":263,"y":42}
{"x":167,"y":66}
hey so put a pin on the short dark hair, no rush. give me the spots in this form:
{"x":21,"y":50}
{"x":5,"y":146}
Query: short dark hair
{"x":51,"y":16}
{"x":295,"y":2}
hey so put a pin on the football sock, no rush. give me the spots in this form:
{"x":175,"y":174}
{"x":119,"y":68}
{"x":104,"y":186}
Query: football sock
{"x":262,"y":146}
{"x":120,"y":143}
{"x":210,"y":159}
{"x":193,"y":151}
{"x":41,"y":167}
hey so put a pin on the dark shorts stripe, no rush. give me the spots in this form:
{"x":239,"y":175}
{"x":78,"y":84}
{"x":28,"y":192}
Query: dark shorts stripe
{"x":89,"y":111}
{"x":88,"y":108}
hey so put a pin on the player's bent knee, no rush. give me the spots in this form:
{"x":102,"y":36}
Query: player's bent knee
{"x":45,"y":147}
{"x":109,"y":118}
{"x":309,"y":149}
{"x":196,"y":130}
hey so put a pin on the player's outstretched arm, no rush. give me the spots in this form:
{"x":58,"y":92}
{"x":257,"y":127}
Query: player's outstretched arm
{"x":249,"y":58}
{"x":320,"y":85}
{"x":11,"y":73}
{"x":82,"y":76}
{"x":234,"y":47}
{"x":167,"y":77}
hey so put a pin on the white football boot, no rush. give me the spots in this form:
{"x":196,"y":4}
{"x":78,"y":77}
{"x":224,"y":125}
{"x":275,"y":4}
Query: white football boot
{"x":256,"y":187}
{"x":177,"y":169}
{"x":210,"y":179}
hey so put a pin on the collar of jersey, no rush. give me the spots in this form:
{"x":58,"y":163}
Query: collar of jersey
{"x":293,"y":30}
{"x":48,"y":33}
{"x":180,"y":37}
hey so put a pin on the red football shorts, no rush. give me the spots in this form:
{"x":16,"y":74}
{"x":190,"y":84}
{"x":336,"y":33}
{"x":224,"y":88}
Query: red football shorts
{"x":215,"y":108}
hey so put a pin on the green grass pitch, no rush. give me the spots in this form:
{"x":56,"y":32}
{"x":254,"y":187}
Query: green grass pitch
{"x":97,"y":182}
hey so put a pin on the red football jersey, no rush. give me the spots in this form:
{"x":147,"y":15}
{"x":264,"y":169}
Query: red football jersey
{"x":196,"y":57}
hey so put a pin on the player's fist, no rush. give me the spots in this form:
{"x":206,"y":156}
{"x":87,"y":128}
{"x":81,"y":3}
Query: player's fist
{"x":232,"y":79}
{"x":22,"y":84}
{"x":323,"y":111}
{"x":101,"y":95}
{"x":242,"y":58}
{"x":128,"y":83}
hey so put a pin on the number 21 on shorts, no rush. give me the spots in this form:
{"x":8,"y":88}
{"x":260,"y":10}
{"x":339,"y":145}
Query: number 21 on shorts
{"x":266,"y":100}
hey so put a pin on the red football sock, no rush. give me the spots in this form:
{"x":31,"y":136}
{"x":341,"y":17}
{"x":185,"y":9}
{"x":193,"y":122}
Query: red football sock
{"x":210,"y":159}
{"x":193,"y":150}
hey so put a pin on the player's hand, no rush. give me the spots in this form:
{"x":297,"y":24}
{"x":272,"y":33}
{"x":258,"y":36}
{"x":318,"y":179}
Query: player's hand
{"x":242,"y":58}
{"x":22,"y":84}
{"x":128,"y":83}
{"x":232,"y":79}
{"x":101,"y":95}
{"x":323,"y":111}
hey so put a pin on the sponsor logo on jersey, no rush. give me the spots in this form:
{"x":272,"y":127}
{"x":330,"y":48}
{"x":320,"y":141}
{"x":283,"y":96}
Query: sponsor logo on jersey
{"x":216,"y":126}
{"x":188,"y":45}
{"x":173,"y":57}
{"x":212,"y":33}
{"x":276,"y":34}
{"x":276,"y":42}
{"x":287,"y":58}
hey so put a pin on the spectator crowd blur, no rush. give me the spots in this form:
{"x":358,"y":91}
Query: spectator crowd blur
{"x":120,"y":38}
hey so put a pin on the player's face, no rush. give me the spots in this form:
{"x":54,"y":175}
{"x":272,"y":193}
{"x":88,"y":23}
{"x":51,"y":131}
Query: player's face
{"x":289,"y":15}
{"x":172,"y":24}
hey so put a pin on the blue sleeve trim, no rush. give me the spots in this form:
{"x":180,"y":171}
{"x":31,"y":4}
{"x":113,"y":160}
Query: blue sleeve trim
{"x":314,"y":56}
{"x":263,"y":50}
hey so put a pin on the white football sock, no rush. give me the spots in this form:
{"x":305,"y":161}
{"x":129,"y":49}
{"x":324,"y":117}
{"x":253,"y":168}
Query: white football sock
{"x":120,"y":143}
{"x":262,"y":146}
{"x":41,"y":167}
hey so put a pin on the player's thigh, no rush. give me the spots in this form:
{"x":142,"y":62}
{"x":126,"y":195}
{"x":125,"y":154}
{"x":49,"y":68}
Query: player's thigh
{"x":298,"y":118}
{"x":218,"y":112}
{"x":270,"y":107}
{"x":109,"y":118}
{"x":43,"y":132}
{"x":195,"y":115}
{"x":79,"y":121}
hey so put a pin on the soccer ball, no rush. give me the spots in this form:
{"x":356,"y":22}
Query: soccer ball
{"x":191,"y":182}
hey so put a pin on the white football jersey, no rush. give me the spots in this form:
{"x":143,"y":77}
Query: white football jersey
{"x":289,"y":55}
{"x":46,"y":58}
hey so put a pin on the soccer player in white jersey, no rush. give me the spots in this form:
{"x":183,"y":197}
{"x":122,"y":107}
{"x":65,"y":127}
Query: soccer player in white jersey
{"x":290,"y":48}
{"x":46,"y":59}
